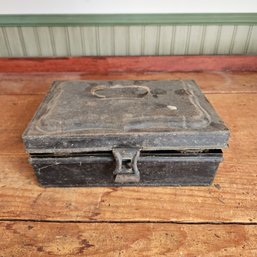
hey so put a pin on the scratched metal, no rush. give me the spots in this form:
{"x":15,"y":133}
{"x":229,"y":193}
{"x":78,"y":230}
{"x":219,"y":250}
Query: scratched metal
{"x":97,"y":115}
{"x":129,"y":133}
{"x":171,"y":169}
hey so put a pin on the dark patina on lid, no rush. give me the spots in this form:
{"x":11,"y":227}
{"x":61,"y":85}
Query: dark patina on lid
{"x":89,"y":116}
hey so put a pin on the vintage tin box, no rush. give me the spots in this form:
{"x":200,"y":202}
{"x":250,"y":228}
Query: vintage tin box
{"x":137,"y":133}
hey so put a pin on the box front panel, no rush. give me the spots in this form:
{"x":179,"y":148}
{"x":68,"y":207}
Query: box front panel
{"x":154,"y":171}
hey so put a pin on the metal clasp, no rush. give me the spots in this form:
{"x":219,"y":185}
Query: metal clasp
{"x":126,"y":170}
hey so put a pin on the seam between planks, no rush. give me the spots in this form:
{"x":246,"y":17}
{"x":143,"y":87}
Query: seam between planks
{"x":204,"y":91}
{"x":133,"y":222}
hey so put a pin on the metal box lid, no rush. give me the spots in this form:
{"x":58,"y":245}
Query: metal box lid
{"x":82,"y":116}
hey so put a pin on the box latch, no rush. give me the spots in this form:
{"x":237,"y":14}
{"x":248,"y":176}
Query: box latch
{"x":126,"y":170}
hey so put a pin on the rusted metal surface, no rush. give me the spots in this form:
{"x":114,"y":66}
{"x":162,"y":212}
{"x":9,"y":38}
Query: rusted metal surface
{"x":126,"y":118}
{"x":78,"y":116}
{"x":170,"y":169}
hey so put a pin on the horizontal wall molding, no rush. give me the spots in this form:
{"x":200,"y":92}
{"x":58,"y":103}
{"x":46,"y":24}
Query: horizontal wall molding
{"x":104,"y":65}
{"x":127,"y":19}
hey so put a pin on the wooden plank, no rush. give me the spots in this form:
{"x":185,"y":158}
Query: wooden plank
{"x":232,"y":198}
{"x":103,"y":65}
{"x":55,"y":239}
{"x":15,"y":113}
{"x":210,"y":82}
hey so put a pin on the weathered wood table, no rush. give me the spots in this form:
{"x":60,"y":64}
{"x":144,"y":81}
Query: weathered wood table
{"x":220,"y":220}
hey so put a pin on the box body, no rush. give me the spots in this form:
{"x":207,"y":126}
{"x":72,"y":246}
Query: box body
{"x":176,"y":169}
{"x":125,"y":133}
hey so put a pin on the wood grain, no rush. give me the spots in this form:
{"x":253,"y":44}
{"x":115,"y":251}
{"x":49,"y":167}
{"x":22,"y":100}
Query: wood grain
{"x":100,"y":65}
{"x":232,"y":197}
{"x":210,"y":82}
{"x":74,"y":239}
{"x":62,"y":222}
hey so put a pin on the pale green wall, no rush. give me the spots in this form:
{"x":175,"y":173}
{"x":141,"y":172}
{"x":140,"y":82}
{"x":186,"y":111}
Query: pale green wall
{"x":32,"y":40}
